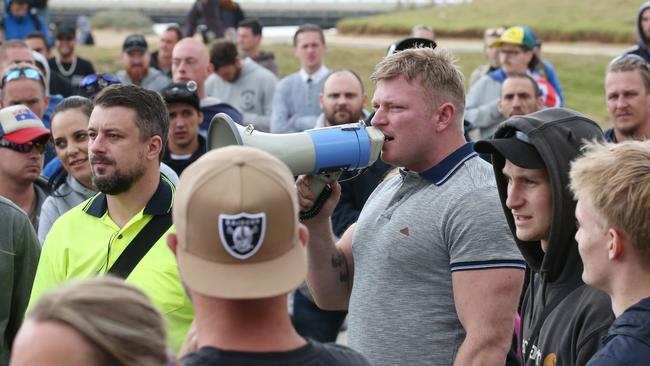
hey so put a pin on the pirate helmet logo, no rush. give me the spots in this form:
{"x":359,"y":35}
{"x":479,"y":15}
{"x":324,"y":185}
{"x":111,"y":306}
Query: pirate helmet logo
{"x":242,"y":235}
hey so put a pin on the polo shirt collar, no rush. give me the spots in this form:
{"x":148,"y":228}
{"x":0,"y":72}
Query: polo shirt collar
{"x":439,"y":173}
{"x":159,"y":204}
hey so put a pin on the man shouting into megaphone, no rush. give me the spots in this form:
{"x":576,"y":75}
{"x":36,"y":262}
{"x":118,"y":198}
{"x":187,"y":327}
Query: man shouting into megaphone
{"x":430,"y":272}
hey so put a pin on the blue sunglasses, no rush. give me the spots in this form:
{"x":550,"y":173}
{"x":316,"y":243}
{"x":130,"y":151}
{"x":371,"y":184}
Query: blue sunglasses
{"x":22,"y":72}
{"x":102,"y":80}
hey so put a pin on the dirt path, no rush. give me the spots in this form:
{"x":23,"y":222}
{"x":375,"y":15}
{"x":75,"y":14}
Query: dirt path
{"x":114,"y":38}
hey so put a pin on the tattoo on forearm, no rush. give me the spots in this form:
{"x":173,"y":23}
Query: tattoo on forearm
{"x":338,"y":261}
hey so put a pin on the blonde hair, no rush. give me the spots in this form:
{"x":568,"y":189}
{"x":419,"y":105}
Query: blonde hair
{"x":436,"y":71}
{"x":615,"y":179}
{"x":117,"y":319}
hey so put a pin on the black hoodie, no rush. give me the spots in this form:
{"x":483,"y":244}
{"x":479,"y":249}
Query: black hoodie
{"x":570,"y":333}
{"x":641,"y":48}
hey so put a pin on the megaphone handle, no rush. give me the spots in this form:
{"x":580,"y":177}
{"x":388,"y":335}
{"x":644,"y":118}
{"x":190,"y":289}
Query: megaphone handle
{"x":320,"y":186}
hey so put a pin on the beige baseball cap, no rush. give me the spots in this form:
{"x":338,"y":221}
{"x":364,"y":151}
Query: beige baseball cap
{"x":236,"y":219}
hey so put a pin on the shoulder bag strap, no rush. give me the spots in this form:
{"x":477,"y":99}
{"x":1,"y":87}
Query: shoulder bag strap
{"x":140,"y":245}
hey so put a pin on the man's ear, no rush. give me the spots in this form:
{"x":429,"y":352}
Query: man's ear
{"x":303,"y":235}
{"x":615,"y":244}
{"x":444,"y":116}
{"x":172,"y":242}
{"x":539,"y":103}
{"x":210,"y":68}
{"x":154,"y":147}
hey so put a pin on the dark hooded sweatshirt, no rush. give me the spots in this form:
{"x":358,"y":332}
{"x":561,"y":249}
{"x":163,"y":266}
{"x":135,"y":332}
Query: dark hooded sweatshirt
{"x":628,"y":340}
{"x":570,"y":333}
{"x":641,"y":48}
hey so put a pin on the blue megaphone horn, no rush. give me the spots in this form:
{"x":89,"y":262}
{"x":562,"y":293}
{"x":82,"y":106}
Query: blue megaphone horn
{"x":321,"y":152}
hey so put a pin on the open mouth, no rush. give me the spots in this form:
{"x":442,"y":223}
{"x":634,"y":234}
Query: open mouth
{"x":388,"y":138}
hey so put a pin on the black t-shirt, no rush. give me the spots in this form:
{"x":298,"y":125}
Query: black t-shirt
{"x":311,"y":354}
{"x":60,"y":85}
{"x":75,"y":76}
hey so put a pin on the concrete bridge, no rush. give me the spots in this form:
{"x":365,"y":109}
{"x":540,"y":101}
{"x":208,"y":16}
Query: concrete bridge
{"x":271,"y":12}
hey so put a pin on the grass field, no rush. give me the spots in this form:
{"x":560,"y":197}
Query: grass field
{"x":581,"y":76}
{"x":561,"y":20}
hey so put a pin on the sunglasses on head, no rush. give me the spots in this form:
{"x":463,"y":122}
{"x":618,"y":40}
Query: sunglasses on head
{"x":22,"y":72}
{"x":101,"y":79}
{"x":39,"y":145}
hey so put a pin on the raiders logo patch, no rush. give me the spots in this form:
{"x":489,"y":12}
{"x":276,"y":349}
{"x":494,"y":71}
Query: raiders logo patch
{"x":242,"y":235}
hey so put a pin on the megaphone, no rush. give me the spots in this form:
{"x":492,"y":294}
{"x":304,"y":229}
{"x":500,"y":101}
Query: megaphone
{"x":321,"y":152}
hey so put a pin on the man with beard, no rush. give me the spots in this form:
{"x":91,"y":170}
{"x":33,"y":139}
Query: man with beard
{"x":243,"y":83}
{"x":185,"y":145}
{"x":519,"y":95}
{"x":135,"y":58}
{"x":342,"y":102}
{"x":627,"y":95}
{"x":66,"y":63}
{"x":127,"y":131}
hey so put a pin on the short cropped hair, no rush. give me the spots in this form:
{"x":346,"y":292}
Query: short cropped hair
{"x":631,"y":62}
{"x":538,"y":91}
{"x":615,"y":179}
{"x":356,"y":76}
{"x":11,"y":44}
{"x":253,"y":24}
{"x":223,"y":53}
{"x":150,"y":109}
{"x":116,"y":318}
{"x":177,"y":30}
{"x":436,"y":71}
{"x":308,"y":27}
{"x":39,"y":35}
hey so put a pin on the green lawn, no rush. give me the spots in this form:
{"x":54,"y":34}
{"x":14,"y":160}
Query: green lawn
{"x":581,"y":76}
{"x":600,"y":20}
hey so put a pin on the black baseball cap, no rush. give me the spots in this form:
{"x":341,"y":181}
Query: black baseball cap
{"x":517,"y":149}
{"x":66,"y":31}
{"x":135,"y":42}
{"x":182,"y":93}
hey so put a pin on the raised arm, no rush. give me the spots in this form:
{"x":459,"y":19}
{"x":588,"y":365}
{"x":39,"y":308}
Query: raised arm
{"x":331,"y":265}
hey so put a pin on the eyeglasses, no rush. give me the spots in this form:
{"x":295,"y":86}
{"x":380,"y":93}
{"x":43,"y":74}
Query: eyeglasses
{"x":27,"y":147}
{"x":105,"y":79}
{"x":21,"y":72}
{"x":510,"y":53}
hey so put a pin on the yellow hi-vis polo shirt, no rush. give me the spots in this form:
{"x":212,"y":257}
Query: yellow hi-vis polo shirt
{"x":85,"y":242}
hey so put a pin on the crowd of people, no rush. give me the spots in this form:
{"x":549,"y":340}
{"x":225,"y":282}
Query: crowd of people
{"x":498,"y":228}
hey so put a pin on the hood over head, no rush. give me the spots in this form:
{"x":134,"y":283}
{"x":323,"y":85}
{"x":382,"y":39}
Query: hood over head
{"x":643,"y":42}
{"x":557,"y":135}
